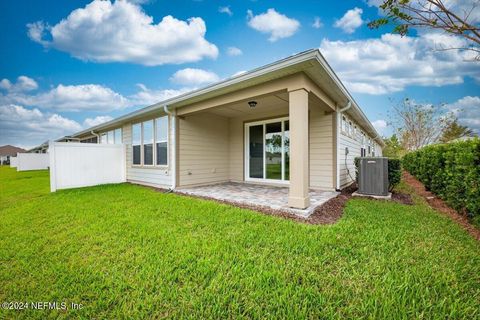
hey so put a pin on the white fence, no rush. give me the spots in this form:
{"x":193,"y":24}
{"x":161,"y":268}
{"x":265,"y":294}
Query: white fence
{"x":32,"y":161}
{"x":74,"y":165}
{"x":13,"y":162}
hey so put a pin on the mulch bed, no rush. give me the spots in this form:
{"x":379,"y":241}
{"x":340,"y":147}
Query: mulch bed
{"x":440,"y":205}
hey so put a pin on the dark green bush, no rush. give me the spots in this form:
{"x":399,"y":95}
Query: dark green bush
{"x":394,"y":171}
{"x":451,"y":171}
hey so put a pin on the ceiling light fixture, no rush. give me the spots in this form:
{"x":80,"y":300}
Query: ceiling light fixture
{"x":252,"y":104}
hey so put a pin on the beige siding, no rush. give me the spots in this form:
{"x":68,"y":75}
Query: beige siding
{"x":155,"y":176}
{"x":354,"y":147}
{"x":346,"y":162}
{"x":321,"y":150}
{"x":203,"y":149}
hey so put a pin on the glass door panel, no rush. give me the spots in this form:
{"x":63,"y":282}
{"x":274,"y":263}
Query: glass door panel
{"x":256,"y":151}
{"x":286,"y":150}
{"x":273,"y":150}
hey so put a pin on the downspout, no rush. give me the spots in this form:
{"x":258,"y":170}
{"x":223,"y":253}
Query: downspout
{"x":174,"y":146}
{"x":339,"y":115}
{"x":96,"y":135}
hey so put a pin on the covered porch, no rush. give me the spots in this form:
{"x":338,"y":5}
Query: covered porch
{"x":270,"y":145}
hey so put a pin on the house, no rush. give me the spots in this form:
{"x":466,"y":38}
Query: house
{"x":290,"y":123}
{"x":42,"y":148}
{"x":8,"y":151}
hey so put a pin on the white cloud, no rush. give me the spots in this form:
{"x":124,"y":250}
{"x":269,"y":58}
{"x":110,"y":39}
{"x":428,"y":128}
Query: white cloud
{"x":90,"y":122}
{"x":85,"y":97}
{"x":30,"y":127}
{"x":23,"y":83}
{"x":148,"y":96}
{"x":350,"y":21}
{"x":380,"y":125}
{"x":271,"y":22}
{"x":391,"y":63}
{"x":467,"y":110}
{"x":122,"y":32}
{"x":234,"y":51}
{"x":193,"y":77}
{"x":317,"y":23}
{"x":225,"y":10}
{"x":94,"y":97}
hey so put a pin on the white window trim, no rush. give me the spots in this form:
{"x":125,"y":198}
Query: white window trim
{"x":141,"y":145}
{"x":167,"y":141}
{"x":153,"y":145}
{"x":247,"y":153}
{"x":154,"y":151}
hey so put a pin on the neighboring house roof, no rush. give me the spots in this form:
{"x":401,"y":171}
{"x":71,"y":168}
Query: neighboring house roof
{"x":39,"y":147}
{"x":9,"y":150}
{"x":310,"y":62}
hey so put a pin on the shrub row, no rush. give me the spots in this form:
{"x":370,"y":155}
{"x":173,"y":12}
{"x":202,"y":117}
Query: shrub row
{"x":451,"y":171}
{"x":394,"y":171}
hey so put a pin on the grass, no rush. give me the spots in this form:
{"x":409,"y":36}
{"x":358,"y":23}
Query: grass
{"x":125,"y":251}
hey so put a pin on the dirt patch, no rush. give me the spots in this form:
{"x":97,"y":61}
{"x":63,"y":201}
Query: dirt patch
{"x":403,"y":198}
{"x":440,"y":205}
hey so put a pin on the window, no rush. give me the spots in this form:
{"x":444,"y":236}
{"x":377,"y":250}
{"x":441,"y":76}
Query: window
{"x":350,"y":128}
{"x":161,"y":140}
{"x":110,"y":137}
{"x":103,"y":138}
{"x":147,"y":139}
{"x":118,"y":136}
{"x":137,"y":143}
{"x":344,"y":124}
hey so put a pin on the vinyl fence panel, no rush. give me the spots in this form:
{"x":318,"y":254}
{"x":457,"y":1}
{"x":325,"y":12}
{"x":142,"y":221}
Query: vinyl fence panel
{"x":13,"y":162}
{"x":74,"y":165}
{"x":32,"y":161}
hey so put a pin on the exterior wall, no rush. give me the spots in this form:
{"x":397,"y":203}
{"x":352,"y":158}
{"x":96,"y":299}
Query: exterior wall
{"x":203,"y":151}
{"x":322,"y":173}
{"x":237,"y":136}
{"x":158,"y":176}
{"x":354,"y":145}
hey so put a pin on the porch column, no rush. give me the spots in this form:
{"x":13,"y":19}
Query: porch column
{"x":298,"y":114}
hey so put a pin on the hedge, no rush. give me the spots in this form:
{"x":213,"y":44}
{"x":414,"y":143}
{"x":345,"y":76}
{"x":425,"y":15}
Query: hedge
{"x":451,"y":171}
{"x":394,"y":171}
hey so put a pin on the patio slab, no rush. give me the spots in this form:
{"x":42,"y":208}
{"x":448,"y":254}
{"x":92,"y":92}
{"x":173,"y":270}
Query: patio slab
{"x":271,"y":197}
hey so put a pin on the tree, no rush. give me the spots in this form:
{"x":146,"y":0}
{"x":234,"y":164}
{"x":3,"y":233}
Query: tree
{"x":393,"y":147}
{"x":418,"y":125}
{"x":453,"y":17}
{"x":454,"y":131}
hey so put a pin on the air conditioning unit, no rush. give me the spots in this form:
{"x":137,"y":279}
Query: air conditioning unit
{"x":373,"y":176}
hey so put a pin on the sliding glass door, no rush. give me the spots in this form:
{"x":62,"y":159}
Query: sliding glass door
{"x":267,"y":145}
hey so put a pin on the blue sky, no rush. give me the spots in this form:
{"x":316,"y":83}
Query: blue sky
{"x":107,"y":59}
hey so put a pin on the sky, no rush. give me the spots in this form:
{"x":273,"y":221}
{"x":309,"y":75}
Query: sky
{"x":69,"y":65}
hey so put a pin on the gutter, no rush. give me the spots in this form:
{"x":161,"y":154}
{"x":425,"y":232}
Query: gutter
{"x":174,"y":146}
{"x":339,"y":115}
{"x":96,"y":135}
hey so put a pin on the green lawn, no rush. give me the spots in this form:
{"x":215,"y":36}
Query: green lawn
{"x":126,"y":251}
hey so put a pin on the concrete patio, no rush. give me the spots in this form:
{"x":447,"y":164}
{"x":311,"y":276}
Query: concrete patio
{"x":271,"y":197}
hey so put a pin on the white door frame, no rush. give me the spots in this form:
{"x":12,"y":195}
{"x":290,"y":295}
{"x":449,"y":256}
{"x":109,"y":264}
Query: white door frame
{"x":247,"y":152}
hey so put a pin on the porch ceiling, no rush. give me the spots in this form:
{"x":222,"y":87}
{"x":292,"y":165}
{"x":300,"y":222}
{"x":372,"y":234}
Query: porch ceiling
{"x":266,"y":103}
